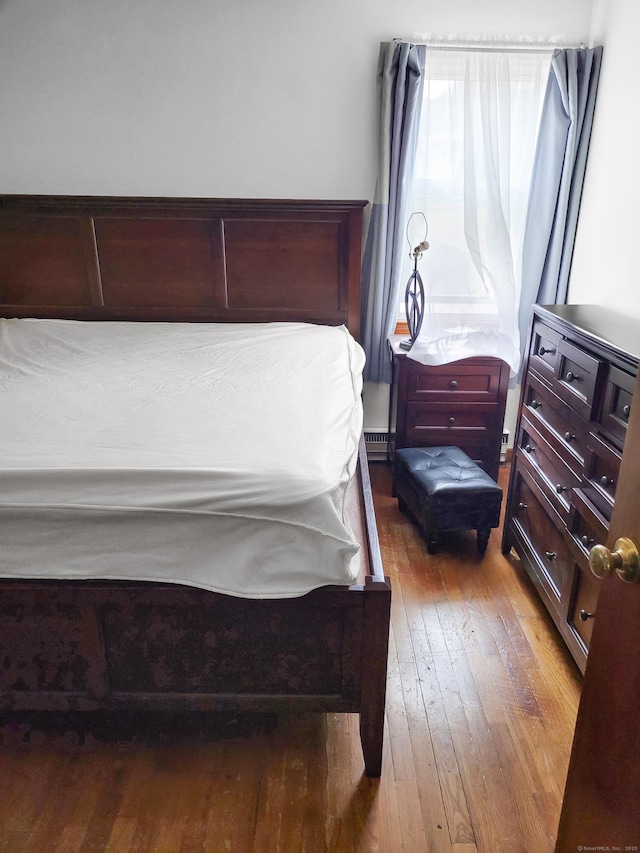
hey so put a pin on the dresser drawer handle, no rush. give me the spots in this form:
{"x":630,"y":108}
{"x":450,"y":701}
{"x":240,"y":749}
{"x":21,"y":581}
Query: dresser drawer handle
{"x":535,"y":404}
{"x":560,"y":488}
{"x":606,"y":481}
{"x":529,"y":448}
{"x":586,"y":540}
{"x":522,"y":506}
{"x":572,"y":377}
{"x":452,"y":421}
{"x":569,"y":436}
{"x":544,"y":350}
{"x":550,"y":555}
{"x":453,"y":384}
{"x":584,"y":615}
{"x":626,"y":410}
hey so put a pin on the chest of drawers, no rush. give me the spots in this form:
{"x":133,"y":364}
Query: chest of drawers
{"x":461,"y":403}
{"x":577,"y":390}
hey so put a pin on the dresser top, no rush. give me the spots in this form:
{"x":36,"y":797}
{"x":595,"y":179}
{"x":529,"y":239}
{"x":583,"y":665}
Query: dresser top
{"x":613,"y":331}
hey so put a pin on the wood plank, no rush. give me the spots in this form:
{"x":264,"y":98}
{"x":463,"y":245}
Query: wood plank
{"x":434,"y":815}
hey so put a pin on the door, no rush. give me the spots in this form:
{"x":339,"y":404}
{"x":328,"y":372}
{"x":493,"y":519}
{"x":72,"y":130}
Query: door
{"x":601,"y":806}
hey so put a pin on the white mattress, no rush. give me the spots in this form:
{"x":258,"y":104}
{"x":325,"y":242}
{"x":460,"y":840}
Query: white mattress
{"x":211,"y":455}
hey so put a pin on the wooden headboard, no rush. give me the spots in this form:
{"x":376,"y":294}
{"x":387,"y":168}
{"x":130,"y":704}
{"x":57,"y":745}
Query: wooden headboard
{"x":181,"y":259}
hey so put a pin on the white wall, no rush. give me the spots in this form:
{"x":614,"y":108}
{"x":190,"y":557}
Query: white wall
{"x":250,"y":98}
{"x":238,"y":98}
{"x":605,"y":263}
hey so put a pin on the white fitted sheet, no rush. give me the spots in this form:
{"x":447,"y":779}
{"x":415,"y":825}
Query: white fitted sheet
{"x":212,"y":455}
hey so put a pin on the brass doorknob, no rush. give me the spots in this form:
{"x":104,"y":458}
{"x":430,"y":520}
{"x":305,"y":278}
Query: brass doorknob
{"x":624,"y":560}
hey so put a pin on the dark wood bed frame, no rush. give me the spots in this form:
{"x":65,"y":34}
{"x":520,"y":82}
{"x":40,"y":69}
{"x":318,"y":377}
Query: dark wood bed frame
{"x":125,"y":646}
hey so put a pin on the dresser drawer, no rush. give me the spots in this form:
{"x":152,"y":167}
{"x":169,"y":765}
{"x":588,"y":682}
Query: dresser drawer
{"x":601,"y":470}
{"x":553,"y":555}
{"x":543,"y":349}
{"x":555,"y":477}
{"x":584,"y":602}
{"x":616,"y":404}
{"x":576,"y":378}
{"x":587,"y":525}
{"x":465,"y":381}
{"x":553,"y":415}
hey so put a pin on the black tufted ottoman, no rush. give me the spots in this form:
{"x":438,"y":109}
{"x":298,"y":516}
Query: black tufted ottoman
{"x":445,"y":490}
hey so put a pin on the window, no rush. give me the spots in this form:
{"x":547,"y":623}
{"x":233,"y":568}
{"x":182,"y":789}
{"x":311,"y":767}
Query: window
{"x":478,"y":128}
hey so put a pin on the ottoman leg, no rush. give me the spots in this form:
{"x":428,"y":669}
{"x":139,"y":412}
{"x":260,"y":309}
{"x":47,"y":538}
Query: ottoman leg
{"x":483,"y":539}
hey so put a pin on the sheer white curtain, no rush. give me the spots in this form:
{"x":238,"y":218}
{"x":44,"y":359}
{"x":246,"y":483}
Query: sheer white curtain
{"x":478,"y":129}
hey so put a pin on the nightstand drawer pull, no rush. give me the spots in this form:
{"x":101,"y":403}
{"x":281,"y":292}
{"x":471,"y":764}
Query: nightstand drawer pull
{"x":586,"y":540}
{"x":560,"y":488}
{"x":535,"y":404}
{"x":569,"y":436}
{"x":453,"y":384}
{"x":626,"y":410}
{"x":584,"y":615}
{"x":572,"y":377}
{"x":522,"y":506}
{"x":452,"y":421}
{"x":606,"y":481}
{"x":544,"y":350}
{"x":550,"y":555}
{"x":529,"y":448}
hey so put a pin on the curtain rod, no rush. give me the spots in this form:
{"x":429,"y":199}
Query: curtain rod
{"x":482,"y":44}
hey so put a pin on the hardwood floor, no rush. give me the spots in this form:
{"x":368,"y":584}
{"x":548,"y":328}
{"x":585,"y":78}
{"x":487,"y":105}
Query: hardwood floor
{"x":481,"y":704}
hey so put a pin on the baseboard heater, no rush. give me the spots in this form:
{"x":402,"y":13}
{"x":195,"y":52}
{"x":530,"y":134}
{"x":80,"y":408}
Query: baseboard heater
{"x":377,"y":445}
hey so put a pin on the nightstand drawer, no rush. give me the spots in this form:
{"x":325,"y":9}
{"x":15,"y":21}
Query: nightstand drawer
{"x":466,"y":381}
{"x":445,"y":419}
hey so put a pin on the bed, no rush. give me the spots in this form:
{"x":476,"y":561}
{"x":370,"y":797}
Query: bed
{"x":121,"y":638}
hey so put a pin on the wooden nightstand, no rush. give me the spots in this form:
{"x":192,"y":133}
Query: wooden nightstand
{"x":461,"y":404}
